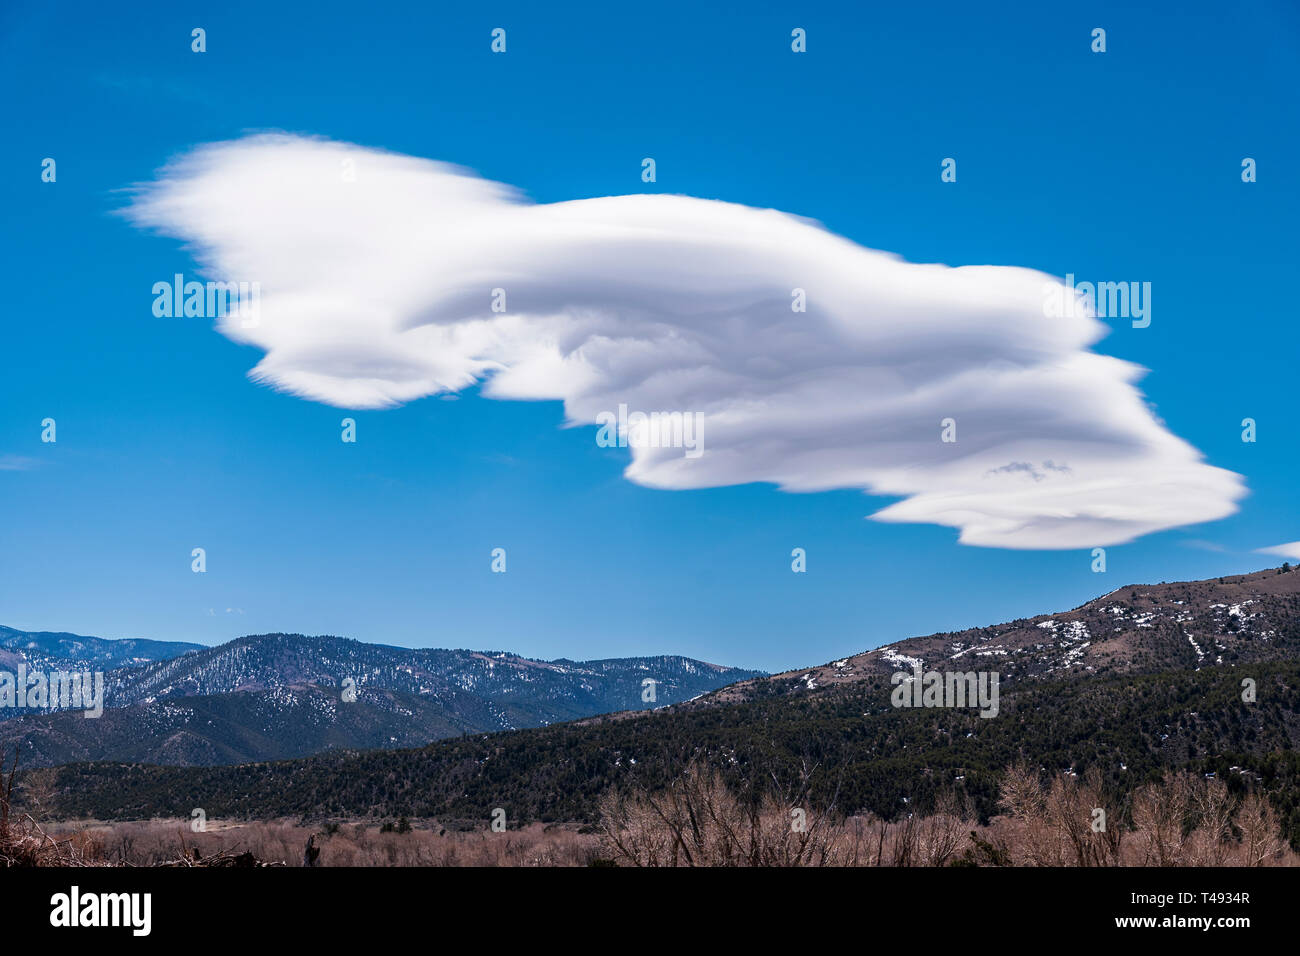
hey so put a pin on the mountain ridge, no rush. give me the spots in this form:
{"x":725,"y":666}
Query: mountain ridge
{"x":1135,"y":628}
{"x":55,"y":649}
{"x":302,"y":694}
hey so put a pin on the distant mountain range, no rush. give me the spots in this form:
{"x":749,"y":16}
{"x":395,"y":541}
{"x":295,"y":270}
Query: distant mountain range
{"x":51,"y":650}
{"x":274,"y":696}
{"x":1142,"y":680}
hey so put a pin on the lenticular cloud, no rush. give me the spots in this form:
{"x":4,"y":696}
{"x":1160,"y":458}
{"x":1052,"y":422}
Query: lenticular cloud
{"x":377,"y":274}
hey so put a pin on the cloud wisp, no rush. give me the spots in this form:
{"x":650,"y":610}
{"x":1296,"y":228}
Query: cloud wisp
{"x":377,"y":273}
{"x":1289,"y":550}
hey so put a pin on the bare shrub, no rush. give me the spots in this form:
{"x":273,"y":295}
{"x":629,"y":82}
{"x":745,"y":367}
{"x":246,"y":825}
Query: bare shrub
{"x":697,"y":821}
{"x":1261,"y":843}
{"x":1183,"y":819}
{"x":23,"y":842}
{"x":1160,"y":812}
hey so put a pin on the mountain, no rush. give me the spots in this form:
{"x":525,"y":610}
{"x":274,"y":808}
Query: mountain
{"x":1125,"y":698}
{"x":520,"y":689}
{"x":54,"y":650}
{"x":242,"y":727}
{"x":1136,"y":629}
{"x":272,"y":696}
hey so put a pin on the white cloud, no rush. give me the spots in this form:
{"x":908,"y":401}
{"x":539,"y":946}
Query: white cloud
{"x":1291,"y":550}
{"x":377,"y":291}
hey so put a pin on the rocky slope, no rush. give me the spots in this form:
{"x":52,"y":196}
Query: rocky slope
{"x":1142,"y":628}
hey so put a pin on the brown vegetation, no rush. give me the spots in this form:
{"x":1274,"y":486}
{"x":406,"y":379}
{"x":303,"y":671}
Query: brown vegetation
{"x":1064,"y":820}
{"x":22,"y":840}
{"x":284,"y":843}
{"x":1183,"y":820}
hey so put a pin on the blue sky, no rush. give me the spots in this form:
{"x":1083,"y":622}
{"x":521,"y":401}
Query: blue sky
{"x":1122,"y":165}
